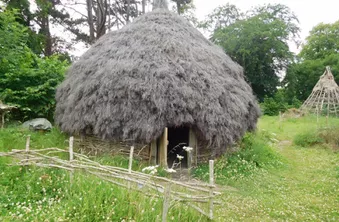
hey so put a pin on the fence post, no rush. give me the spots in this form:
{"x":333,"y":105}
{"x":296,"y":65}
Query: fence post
{"x":28,"y":139}
{"x":71,"y":156}
{"x":166,"y":204}
{"x":130,"y":164}
{"x":71,"y":141}
{"x":2,"y":119}
{"x":317,"y":117}
{"x":211,"y":166}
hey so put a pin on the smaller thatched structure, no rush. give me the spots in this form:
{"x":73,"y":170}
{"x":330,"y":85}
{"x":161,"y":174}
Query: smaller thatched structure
{"x":157,"y":84}
{"x":324,"y":98}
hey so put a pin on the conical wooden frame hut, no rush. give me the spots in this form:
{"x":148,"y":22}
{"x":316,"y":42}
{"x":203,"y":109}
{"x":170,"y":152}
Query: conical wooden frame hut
{"x":324,"y":98}
{"x":158,"y":84}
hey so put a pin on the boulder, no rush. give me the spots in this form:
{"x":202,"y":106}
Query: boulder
{"x":38,"y":124}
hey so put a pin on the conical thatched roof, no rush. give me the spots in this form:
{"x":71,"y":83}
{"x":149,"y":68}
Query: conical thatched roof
{"x":324,"y":98}
{"x":156,"y":72}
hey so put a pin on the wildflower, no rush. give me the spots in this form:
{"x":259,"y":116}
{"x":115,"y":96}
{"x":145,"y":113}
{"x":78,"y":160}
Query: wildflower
{"x":170,"y":170}
{"x":187,"y":149}
{"x":180,"y":157}
{"x":150,"y":169}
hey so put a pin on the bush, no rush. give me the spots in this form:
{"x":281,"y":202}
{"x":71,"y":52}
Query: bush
{"x":254,"y":153}
{"x":308,"y":139}
{"x":330,"y":136}
{"x":279,"y":103}
{"x":322,"y":136}
{"x":26,"y":80}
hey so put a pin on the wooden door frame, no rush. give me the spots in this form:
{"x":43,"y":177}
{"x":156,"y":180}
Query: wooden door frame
{"x":158,"y":154}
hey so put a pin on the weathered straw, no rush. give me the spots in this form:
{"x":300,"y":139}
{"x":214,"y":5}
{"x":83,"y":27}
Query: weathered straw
{"x":156,"y":72}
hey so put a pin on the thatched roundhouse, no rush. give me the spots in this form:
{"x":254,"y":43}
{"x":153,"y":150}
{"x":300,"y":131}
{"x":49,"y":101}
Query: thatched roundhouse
{"x":158,"y":79}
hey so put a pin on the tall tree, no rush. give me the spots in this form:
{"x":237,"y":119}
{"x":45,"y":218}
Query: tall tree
{"x":322,"y":41}
{"x":221,"y":16}
{"x":181,"y":5}
{"x":25,"y":79}
{"x":98,"y":15}
{"x":320,"y":50}
{"x":259,"y":43}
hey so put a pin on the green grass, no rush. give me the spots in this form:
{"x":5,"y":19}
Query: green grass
{"x":37,"y":194}
{"x":32,"y":194}
{"x":278,"y":174}
{"x":15,"y":138}
{"x":298,"y":183}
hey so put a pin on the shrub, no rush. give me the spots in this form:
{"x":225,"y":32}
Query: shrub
{"x":330,"y":136}
{"x":254,"y":153}
{"x":322,"y":136}
{"x":26,"y":80}
{"x":279,"y":103}
{"x":307,"y":139}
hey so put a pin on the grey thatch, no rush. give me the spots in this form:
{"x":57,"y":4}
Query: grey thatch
{"x":156,"y":72}
{"x":324,"y":98}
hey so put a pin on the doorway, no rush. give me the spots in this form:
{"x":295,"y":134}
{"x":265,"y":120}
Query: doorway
{"x":178,"y":137}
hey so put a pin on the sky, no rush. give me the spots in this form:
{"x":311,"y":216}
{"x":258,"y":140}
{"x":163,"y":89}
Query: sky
{"x":309,"y":12}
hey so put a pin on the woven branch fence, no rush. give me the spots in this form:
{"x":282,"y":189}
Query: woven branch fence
{"x":196,"y":195}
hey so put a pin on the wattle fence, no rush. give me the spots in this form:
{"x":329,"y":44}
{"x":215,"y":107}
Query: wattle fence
{"x":197,"y":195}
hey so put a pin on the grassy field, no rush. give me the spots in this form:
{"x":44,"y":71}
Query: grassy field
{"x":287,"y":171}
{"x":302,"y":186}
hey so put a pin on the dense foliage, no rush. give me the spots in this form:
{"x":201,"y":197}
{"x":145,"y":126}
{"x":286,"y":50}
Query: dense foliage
{"x":280,"y":102}
{"x":26,"y":80}
{"x":258,"y":41}
{"x":320,"y":50}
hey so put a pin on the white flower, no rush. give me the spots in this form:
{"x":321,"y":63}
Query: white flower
{"x":187,"y":149}
{"x":153,"y":172}
{"x":151,"y":169}
{"x":180,"y":157}
{"x":170,"y":170}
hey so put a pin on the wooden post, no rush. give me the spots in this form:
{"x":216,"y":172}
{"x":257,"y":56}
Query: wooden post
{"x":28,"y":139}
{"x":130,"y":164}
{"x":2,"y":120}
{"x":71,"y":141}
{"x":317,"y":116}
{"x":166,"y":204}
{"x":163,"y":148}
{"x":211,"y":165}
{"x":194,"y":144}
{"x":71,"y":157}
{"x":153,"y":153}
{"x":327,"y":121}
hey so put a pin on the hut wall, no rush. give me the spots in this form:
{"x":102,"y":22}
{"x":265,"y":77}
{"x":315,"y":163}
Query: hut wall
{"x":204,"y":151}
{"x":93,"y":146}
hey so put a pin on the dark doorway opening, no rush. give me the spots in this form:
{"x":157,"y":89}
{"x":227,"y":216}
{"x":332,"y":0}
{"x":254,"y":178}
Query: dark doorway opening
{"x":178,"y":137}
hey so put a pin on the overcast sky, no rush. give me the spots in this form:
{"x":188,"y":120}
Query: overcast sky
{"x":309,"y":12}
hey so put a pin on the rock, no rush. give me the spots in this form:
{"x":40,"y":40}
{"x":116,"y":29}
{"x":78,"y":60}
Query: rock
{"x":38,"y":124}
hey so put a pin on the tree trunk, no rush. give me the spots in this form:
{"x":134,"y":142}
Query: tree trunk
{"x":101,"y":18}
{"x":143,"y":6}
{"x":90,"y":20}
{"x":178,"y":7}
{"x":128,"y":10}
{"x":49,"y":43}
{"x":44,"y":29}
{"x":109,"y":15}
